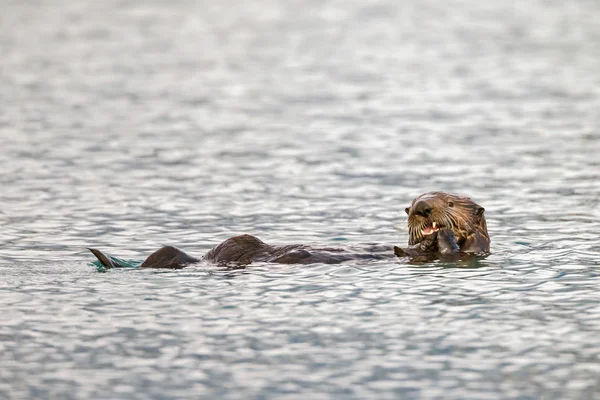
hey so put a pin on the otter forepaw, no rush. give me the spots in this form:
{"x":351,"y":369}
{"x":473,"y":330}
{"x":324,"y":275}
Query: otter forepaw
{"x":427,"y":246}
{"x":447,"y":242}
{"x":399,"y":252}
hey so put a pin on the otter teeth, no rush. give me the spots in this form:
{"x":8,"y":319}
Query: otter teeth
{"x":430,"y":229}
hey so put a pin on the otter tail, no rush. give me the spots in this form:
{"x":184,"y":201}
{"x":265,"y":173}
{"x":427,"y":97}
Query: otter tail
{"x":107,"y":261}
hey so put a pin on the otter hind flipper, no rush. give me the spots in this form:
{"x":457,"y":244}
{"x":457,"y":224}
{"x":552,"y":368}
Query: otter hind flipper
{"x":105,"y":260}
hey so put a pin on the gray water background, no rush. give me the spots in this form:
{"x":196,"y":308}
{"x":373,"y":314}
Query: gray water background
{"x":127,"y":125}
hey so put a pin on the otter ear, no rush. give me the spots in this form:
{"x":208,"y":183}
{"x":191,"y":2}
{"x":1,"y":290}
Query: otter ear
{"x":479,"y":211}
{"x":407,"y":209}
{"x":450,"y":204}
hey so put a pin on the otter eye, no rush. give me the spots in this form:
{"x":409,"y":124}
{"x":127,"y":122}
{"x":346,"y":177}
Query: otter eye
{"x":407,"y":209}
{"x":450,"y":204}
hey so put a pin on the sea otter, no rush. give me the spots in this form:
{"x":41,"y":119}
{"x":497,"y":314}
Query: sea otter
{"x":438,"y":224}
{"x":445,"y":224}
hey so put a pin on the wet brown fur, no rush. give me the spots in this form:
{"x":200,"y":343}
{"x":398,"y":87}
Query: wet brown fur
{"x":460,"y":214}
{"x":243,"y":250}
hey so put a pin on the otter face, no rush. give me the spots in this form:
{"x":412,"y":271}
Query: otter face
{"x":433,"y":211}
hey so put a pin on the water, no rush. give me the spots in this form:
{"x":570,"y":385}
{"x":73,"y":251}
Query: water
{"x":125,"y":126}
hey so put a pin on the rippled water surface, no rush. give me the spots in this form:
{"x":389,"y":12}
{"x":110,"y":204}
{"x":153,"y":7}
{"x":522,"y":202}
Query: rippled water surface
{"x":127,"y":125}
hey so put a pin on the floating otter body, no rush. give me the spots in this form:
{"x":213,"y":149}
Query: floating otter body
{"x":246,"y":249}
{"x":439,"y":225}
{"x":445,"y":224}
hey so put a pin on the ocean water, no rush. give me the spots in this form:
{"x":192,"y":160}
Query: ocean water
{"x":127,"y":125}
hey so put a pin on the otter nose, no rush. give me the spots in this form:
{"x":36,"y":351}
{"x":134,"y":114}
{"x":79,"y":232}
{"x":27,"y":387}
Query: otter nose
{"x":422,"y":208}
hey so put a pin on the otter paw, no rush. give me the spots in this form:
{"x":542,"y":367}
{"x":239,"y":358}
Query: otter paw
{"x":426,"y":247}
{"x":428,"y":244}
{"x":447,"y":242}
{"x":399,"y":252}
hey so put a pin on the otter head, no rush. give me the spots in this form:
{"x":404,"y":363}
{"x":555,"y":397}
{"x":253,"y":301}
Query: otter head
{"x":433,"y":211}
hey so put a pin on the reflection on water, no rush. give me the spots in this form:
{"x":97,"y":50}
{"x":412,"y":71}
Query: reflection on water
{"x":126,"y":126}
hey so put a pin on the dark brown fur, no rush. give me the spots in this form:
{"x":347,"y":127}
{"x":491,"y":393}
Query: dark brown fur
{"x":243,"y":250}
{"x":457,"y":215}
